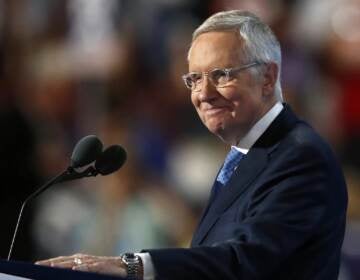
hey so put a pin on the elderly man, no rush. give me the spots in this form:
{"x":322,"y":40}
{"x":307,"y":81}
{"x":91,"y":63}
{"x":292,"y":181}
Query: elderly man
{"x":278,"y":204}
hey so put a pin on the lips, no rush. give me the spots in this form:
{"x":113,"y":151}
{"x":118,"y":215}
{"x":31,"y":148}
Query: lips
{"x":215,"y":110}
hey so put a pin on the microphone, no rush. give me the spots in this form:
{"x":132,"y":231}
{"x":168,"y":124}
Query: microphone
{"x":86,"y":151}
{"x":110,"y":160}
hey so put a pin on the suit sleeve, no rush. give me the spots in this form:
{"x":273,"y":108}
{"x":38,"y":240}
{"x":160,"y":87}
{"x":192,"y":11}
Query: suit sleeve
{"x":303,"y":199}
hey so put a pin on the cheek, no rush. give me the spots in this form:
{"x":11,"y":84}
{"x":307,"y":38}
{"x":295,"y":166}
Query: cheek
{"x":246,"y":110}
{"x":196,"y":105}
{"x":194,"y":101}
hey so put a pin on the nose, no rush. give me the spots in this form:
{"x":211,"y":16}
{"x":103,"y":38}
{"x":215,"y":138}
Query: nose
{"x":208,"y":91}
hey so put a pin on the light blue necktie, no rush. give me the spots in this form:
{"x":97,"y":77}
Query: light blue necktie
{"x":231,"y":161}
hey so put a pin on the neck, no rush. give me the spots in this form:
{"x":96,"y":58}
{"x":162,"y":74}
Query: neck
{"x":264,"y":110}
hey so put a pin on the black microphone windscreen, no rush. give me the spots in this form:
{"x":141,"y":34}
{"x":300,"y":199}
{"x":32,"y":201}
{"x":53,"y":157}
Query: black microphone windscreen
{"x":110,"y":160}
{"x":87,"y":150}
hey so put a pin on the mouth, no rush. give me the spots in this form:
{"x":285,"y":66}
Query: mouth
{"x":215,"y":110}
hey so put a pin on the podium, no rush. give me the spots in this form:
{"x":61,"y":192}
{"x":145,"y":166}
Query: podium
{"x":37,"y":272}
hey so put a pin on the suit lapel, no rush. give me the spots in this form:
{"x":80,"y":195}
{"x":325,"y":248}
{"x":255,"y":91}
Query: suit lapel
{"x":247,"y":171}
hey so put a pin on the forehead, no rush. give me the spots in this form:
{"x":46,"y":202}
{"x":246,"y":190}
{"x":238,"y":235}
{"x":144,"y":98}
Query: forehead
{"x":215,"y":50}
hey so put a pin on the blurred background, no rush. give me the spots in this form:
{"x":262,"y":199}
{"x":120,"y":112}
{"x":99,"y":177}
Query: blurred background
{"x":113,"y":68}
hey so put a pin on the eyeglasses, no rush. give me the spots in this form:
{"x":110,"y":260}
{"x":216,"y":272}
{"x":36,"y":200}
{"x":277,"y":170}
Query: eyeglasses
{"x":218,"y":77}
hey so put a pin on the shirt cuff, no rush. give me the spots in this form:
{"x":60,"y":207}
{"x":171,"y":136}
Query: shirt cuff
{"x":149,"y":270}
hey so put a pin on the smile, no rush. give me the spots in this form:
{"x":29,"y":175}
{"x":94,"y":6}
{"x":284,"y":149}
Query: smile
{"x":215,"y":110}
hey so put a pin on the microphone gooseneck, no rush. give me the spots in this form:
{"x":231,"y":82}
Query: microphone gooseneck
{"x":44,"y":187}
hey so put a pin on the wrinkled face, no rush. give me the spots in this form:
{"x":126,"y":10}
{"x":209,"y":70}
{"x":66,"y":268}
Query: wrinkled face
{"x":231,"y":111}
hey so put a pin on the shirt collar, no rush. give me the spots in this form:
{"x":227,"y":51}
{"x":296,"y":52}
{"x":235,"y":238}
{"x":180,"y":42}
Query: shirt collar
{"x":258,"y":129}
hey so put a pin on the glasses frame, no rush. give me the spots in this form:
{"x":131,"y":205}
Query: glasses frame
{"x":227,"y":71}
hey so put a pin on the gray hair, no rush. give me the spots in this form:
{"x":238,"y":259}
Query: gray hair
{"x":260,"y":43}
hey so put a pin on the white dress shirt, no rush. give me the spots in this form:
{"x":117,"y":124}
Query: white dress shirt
{"x":258,"y":129}
{"x":243,"y":146}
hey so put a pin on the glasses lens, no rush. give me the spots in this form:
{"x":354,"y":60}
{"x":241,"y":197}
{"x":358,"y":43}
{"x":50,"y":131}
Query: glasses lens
{"x":218,"y":77}
{"x":192,"y":80}
{"x":187,"y":81}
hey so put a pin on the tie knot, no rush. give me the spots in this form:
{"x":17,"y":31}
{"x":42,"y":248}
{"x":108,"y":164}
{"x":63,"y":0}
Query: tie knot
{"x":231,"y":161}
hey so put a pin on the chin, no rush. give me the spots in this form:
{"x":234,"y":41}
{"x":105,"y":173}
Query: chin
{"x":220,"y":131}
{"x":215,"y":127}
{"x":229,"y":134}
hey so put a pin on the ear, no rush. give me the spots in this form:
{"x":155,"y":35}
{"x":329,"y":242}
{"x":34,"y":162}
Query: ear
{"x":269,"y":79}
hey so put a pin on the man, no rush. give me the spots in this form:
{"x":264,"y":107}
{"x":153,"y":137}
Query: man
{"x":277,"y":208}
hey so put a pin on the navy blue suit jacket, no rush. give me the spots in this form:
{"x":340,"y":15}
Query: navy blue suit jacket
{"x":281,"y":215}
